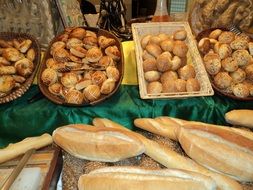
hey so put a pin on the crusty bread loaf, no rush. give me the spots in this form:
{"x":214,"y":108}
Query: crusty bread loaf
{"x":98,"y":144}
{"x":243,"y":117}
{"x":219,"y":149}
{"x":19,"y":148}
{"x":172,"y":159}
{"x":134,"y":178}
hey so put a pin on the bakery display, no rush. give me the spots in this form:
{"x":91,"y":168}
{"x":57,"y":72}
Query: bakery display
{"x":19,"y":60}
{"x":204,"y":14}
{"x":163,"y":49}
{"x":228,"y":62}
{"x":82,"y":66}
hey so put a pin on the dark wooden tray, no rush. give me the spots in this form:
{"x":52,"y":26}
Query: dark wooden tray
{"x":18,"y":92}
{"x":206,"y":33}
{"x":61,"y":101}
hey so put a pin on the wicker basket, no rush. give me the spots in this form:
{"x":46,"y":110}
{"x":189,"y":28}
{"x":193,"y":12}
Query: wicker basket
{"x":18,"y":92}
{"x":60,"y":100}
{"x":141,"y":29}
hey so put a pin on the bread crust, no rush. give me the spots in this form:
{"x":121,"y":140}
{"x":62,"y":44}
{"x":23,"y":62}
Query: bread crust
{"x":98,"y":144}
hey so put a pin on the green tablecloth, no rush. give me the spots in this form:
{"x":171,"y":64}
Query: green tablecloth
{"x":21,"y":118}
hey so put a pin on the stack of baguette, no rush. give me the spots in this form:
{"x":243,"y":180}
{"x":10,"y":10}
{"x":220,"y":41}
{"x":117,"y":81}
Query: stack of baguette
{"x":206,"y":144}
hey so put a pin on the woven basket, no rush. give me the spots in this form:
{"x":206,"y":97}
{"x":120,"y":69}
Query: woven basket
{"x":18,"y":92}
{"x":60,"y":100}
{"x":141,"y":29}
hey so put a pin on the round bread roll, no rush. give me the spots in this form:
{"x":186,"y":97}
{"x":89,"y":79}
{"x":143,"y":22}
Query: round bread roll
{"x":7,"y":83}
{"x":215,"y":34}
{"x":90,"y":41}
{"x":222,"y":80}
{"x":113,"y":73}
{"x":249,"y":72}
{"x":250,"y":46}
{"x":239,"y":44}
{"x":145,"y":40}
{"x":74,"y":97}
{"x":229,"y":64}
{"x":69,"y":79}
{"x":149,"y":65}
{"x":163,"y":62}
{"x":212,"y":63}
{"x":180,"y":35}
{"x":155,"y":40}
{"x":49,"y":76}
{"x":163,"y":36}
{"x":180,"y":48}
{"x":94,"y":54}
{"x":204,"y":45}
{"x":113,"y":52}
{"x":192,"y":85}
{"x":176,"y":63}
{"x":151,"y":76}
{"x":238,"y":76}
{"x":240,"y":90}
{"x":107,"y":86}
{"x":226,"y":37}
{"x":167,"y":45}
{"x":224,"y":51}
{"x":154,"y":50}
{"x":154,"y":87}
{"x":92,"y":92}
{"x":55,"y":88}
{"x":242,"y":57}
{"x":186,"y":72}
{"x":78,"y":33}
{"x":168,"y":86}
{"x":106,"y":61}
{"x":146,"y":55}
{"x":180,"y":85}
{"x":169,"y":76}
{"x":98,"y":77}
{"x":12,"y":54}
{"x":243,"y":36}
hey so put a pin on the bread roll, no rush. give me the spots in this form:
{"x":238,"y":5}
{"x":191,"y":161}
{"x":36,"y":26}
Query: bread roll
{"x":225,"y":151}
{"x":179,"y":35}
{"x":154,"y":87}
{"x":243,"y":117}
{"x":19,"y":148}
{"x":135,"y":178}
{"x":98,"y":144}
{"x":172,"y":159}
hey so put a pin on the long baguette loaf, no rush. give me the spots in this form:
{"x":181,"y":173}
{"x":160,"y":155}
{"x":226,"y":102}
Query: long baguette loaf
{"x":96,"y":143}
{"x":218,"y":148}
{"x":19,"y":148}
{"x":241,"y":117}
{"x":167,"y":126}
{"x":133,"y":178}
{"x":172,"y":159}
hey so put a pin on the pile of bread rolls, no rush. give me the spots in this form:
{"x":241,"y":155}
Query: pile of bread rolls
{"x":165,"y":65}
{"x":16,"y":63}
{"x":82,"y":66}
{"x":228,"y":59}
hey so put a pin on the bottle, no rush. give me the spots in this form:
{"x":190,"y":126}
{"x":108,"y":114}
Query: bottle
{"x":161,"y":12}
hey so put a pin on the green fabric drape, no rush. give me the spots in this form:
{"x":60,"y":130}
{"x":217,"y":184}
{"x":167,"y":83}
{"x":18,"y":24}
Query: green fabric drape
{"x":21,"y":118}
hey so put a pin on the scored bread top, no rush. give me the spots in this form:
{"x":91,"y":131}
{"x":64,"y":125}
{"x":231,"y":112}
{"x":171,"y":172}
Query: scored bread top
{"x":97,"y":143}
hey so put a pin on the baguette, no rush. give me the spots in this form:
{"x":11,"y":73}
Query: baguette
{"x":96,"y":143}
{"x":19,"y":148}
{"x":138,"y":179}
{"x":172,"y":159}
{"x":219,"y":149}
{"x":241,"y":117}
